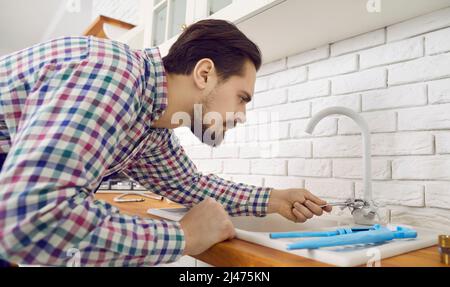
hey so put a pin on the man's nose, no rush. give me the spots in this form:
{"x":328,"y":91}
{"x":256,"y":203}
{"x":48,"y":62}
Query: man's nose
{"x":241,"y":117}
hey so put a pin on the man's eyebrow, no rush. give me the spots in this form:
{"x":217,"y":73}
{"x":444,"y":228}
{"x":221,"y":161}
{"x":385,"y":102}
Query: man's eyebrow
{"x":249,"y":98}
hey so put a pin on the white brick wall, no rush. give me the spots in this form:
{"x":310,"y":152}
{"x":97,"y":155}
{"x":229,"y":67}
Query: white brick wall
{"x":310,"y":167}
{"x":424,"y":118}
{"x":439,"y":92}
{"x":294,"y":148}
{"x":209,"y":166}
{"x":268,"y":166}
{"x":397,"y":77}
{"x":270,"y":98}
{"x":255,"y":150}
{"x":283,"y":182}
{"x":309,"y":90}
{"x":273,"y":67}
{"x":392,"y":53}
{"x":256,"y":180}
{"x":437,"y":42}
{"x":349,"y":101}
{"x":435,"y":168}
{"x":333,"y":66}
{"x":361,"y":81}
{"x":327,"y":127}
{"x":359,"y":42}
{"x":434,"y":218}
{"x":395,"y":97}
{"x":422,"y":69}
{"x":331,"y":188}
{"x":226,"y":151}
{"x":236,"y":166}
{"x":443,"y":143}
{"x":419,"y":25}
{"x":438,"y":194}
{"x":395,"y":193}
{"x":308,"y":56}
{"x":343,"y":146}
{"x":352,"y":168}
{"x":402,"y":144}
{"x":379,"y":122}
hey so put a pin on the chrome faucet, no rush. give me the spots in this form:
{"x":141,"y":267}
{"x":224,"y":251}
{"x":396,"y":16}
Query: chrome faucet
{"x":366,"y":211}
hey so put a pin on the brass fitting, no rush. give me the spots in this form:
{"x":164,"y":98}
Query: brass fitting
{"x":444,"y":248}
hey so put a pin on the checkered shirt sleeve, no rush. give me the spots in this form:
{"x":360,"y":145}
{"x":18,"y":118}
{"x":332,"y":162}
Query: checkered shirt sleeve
{"x":170,"y":172}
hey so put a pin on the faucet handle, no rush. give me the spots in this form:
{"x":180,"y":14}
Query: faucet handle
{"x":364,"y":212}
{"x":351,"y":203}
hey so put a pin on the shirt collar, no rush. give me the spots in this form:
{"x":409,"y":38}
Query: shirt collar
{"x":156,"y":85}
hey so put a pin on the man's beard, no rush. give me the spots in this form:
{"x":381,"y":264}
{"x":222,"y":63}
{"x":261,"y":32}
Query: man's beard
{"x":212,"y":137}
{"x":207,"y":126}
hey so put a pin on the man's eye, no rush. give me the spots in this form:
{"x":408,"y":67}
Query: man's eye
{"x":244,"y":99}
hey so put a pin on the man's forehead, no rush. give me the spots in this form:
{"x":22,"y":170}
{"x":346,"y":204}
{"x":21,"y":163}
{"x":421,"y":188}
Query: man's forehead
{"x":248,"y":78}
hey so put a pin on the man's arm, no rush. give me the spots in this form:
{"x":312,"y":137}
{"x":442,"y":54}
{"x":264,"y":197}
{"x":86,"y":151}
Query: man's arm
{"x":61,"y":149}
{"x":169,"y":171}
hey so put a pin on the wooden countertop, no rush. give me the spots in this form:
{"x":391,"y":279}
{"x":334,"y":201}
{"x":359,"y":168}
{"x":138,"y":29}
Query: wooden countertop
{"x":235,"y":253}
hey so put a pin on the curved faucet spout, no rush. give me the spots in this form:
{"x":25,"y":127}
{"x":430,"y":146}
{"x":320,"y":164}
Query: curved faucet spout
{"x":367,"y":173}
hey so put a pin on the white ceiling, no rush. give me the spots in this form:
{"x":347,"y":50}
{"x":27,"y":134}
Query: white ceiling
{"x":27,"y":22}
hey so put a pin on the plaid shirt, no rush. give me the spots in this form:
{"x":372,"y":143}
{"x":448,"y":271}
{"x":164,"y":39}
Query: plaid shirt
{"x":73,"y":111}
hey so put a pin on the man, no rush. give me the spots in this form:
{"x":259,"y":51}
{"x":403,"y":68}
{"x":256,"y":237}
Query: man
{"x":76,"y":110}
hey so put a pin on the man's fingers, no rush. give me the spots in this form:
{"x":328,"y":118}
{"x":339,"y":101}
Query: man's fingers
{"x":305,"y":205}
{"x":303,"y":210}
{"x":328,"y":208}
{"x":314,"y":208}
{"x":315,"y":199}
{"x":300,"y":216}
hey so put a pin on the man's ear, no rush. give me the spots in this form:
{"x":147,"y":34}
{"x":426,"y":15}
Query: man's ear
{"x":202,"y":73}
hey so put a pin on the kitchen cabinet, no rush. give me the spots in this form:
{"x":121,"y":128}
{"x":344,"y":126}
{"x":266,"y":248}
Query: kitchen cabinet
{"x":280,"y":27}
{"x":166,"y":19}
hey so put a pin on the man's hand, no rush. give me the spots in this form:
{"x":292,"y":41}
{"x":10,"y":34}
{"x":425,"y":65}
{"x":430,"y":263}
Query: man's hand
{"x":297,"y":205}
{"x":204,"y":225}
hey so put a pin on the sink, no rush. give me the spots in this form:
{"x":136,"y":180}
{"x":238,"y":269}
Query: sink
{"x":257,"y":229}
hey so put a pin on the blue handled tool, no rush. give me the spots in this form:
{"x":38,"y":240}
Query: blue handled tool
{"x":376,"y":234}
{"x":339,"y":231}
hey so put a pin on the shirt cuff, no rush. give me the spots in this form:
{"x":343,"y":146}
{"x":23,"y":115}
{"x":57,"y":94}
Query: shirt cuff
{"x":258,"y":201}
{"x":170,"y":242}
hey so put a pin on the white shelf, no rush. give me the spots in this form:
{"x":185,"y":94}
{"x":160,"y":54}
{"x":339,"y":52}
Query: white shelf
{"x":286,"y":27}
{"x":293,"y":26}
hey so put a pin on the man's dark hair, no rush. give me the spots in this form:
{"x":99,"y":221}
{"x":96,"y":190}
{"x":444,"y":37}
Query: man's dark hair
{"x":218,"y":40}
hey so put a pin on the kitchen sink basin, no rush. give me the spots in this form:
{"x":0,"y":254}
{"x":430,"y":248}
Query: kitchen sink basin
{"x":257,"y":229}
